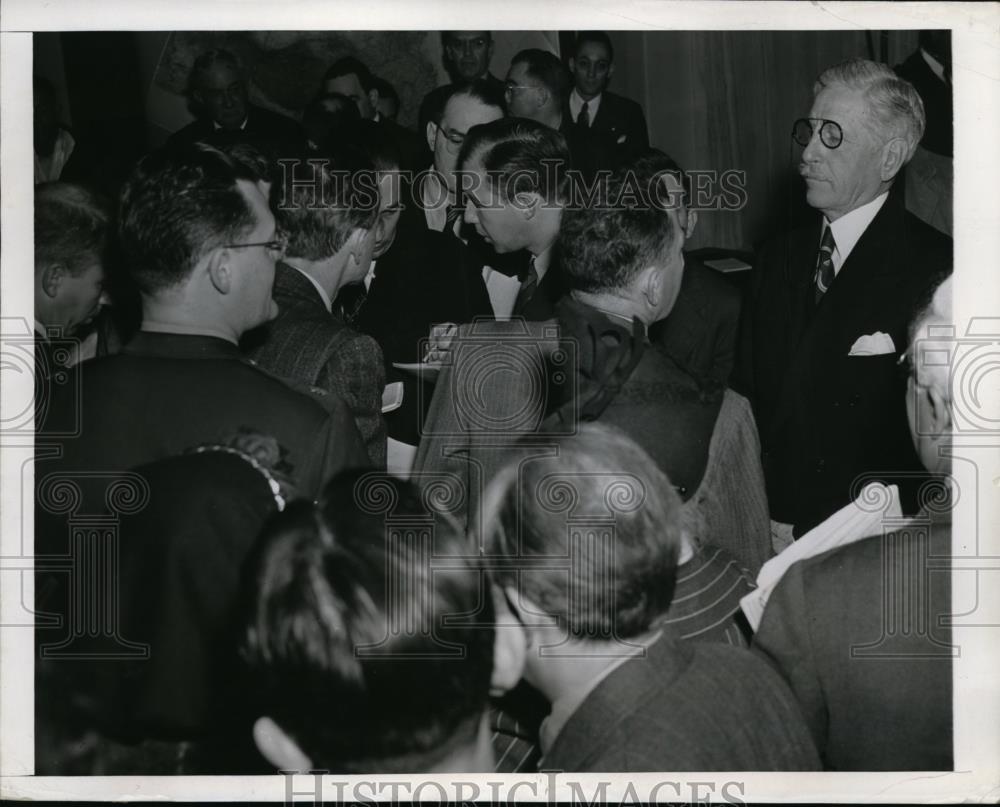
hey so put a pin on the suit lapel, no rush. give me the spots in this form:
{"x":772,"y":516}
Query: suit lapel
{"x":294,"y":290}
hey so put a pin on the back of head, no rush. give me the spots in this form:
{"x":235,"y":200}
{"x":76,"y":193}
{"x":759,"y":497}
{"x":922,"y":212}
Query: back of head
{"x":180,"y":202}
{"x":605,"y":245}
{"x":547,"y":70}
{"x":369,"y":141}
{"x":319,"y":202}
{"x":329,"y":115}
{"x":71,"y":227}
{"x":355,"y":636}
{"x":600,"y":506}
{"x":519,"y":156}
{"x":894,"y":106}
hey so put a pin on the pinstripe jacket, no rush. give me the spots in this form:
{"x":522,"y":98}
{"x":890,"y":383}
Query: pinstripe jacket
{"x":307,"y":343}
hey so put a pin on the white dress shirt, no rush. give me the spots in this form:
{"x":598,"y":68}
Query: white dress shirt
{"x":850,"y":227}
{"x":576,"y":104}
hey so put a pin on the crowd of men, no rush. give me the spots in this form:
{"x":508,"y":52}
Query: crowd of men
{"x":236,"y":573}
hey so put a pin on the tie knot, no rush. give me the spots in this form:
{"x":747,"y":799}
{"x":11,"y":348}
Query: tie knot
{"x":828,"y":244}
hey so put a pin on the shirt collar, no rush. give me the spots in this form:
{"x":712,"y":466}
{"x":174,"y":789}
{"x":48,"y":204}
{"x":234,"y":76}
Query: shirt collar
{"x":370,"y":276}
{"x":243,"y":125}
{"x":933,"y":64}
{"x":327,"y":302}
{"x":849,"y":228}
{"x":576,"y":102}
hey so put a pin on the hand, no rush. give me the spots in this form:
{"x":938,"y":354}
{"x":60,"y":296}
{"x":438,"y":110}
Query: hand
{"x":439,"y":342}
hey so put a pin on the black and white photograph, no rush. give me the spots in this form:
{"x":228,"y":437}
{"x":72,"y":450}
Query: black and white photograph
{"x":575,"y":409}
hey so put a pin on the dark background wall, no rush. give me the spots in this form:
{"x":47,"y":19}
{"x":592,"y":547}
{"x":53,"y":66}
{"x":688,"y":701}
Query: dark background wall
{"x":713,"y":99}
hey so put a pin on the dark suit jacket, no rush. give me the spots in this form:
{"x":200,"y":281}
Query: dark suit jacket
{"x":699,"y":333}
{"x":165,"y":393}
{"x":686,"y":706}
{"x":619,"y":126}
{"x":308,"y":343}
{"x":937,"y":98}
{"x":861,"y":634}
{"x":825,"y":417}
{"x":272,"y":133}
{"x":413,"y":152}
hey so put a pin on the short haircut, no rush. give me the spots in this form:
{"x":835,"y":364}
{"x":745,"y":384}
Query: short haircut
{"x":349,"y":65}
{"x":385,"y":89}
{"x":485,"y":92}
{"x":522,"y":155}
{"x":594,"y":36}
{"x":179,"y":202}
{"x":546,"y":68}
{"x":208,"y":60}
{"x":71,"y":227}
{"x":894,"y":106}
{"x":368,"y":656}
{"x":317,"y":206}
{"x":654,"y":161}
{"x":603,"y":247}
{"x":600,"y":503}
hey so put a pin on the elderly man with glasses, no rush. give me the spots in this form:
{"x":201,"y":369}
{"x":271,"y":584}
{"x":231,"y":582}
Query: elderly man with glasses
{"x":830,"y":304}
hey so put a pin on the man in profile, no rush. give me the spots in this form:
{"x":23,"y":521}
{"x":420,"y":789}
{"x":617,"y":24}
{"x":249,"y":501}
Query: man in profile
{"x":371,"y":636}
{"x":218,"y":92}
{"x":830,"y":304}
{"x":201,"y":244}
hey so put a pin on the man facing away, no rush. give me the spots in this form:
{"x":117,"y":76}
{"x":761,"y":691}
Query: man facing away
{"x":830,"y":303}
{"x":584,"y":541}
{"x":371,"y":636}
{"x":201,"y":244}
{"x":328,"y":213}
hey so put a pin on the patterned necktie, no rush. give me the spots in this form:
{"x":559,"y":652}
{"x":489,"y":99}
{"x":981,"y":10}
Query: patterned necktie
{"x":824,"y":263}
{"x":527,"y":290}
{"x":583,"y":119}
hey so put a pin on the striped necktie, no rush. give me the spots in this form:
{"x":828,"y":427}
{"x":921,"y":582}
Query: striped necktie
{"x":824,"y":263}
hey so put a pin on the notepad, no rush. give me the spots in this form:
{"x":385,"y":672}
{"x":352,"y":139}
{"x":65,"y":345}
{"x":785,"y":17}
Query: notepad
{"x":727,"y":265}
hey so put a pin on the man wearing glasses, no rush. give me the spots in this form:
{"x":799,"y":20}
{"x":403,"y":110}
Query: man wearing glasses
{"x":200,"y":244}
{"x":466,"y":57}
{"x":830,"y":304}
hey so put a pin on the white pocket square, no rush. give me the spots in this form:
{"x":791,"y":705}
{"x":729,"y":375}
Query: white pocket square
{"x":873,"y":344}
{"x":621,"y":139}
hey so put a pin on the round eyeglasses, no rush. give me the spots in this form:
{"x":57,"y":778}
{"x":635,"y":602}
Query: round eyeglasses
{"x":830,"y":133}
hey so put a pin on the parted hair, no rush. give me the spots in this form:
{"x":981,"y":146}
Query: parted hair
{"x":71,"y":227}
{"x":179,"y":202}
{"x":319,"y":202}
{"x":366,"y":655}
{"x":603,"y":247}
{"x":483,"y":91}
{"x":894,"y":106}
{"x":594,"y":36}
{"x":546,"y":68}
{"x":519,"y":156}
{"x":348,"y":65}
{"x":590,"y":534}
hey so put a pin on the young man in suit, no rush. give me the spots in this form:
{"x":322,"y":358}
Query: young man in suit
{"x":586,"y":538}
{"x":371,"y":636}
{"x":200,"y":242}
{"x":218,"y":91}
{"x":830,"y":303}
{"x":614,"y":119}
{"x":875,"y":682}
{"x":330,"y":226}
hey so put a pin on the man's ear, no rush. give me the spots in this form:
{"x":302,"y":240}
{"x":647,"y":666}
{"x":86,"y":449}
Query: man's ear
{"x":691,"y":224}
{"x":219,"y":271}
{"x":373,"y":98}
{"x":510,"y":644}
{"x":528,"y":202}
{"x":611,"y":70}
{"x":355,"y":244}
{"x":278,"y":748}
{"x":893,"y":156}
{"x":52,"y":278}
{"x":651,"y":285}
{"x":431,"y":134}
{"x":572,"y":64}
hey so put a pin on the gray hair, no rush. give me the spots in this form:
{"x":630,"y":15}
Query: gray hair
{"x":894,"y":106}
